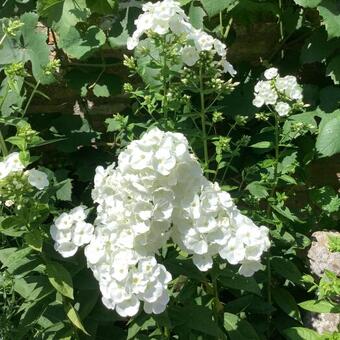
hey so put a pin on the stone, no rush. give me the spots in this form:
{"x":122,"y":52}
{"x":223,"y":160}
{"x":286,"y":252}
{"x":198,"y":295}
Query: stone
{"x":320,"y":259}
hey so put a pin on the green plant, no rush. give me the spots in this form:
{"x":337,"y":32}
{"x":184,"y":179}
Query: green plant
{"x":262,"y":158}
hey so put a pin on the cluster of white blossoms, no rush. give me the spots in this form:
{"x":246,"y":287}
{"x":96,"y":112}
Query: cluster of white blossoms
{"x":167,"y":16}
{"x":211,"y":224}
{"x":70,"y":231}
{"x":158,"y":192}
{"x":12,"y":164}
{"x":280,"y":92}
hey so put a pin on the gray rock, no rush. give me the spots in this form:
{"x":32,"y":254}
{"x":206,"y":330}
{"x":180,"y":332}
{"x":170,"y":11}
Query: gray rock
{"x":320,"y":258}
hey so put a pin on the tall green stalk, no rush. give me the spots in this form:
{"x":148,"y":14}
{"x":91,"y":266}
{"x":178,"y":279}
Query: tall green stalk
{"x":203,"y":120}
{"x":272,"y":195}
{"x":30,"y":98}
{"x":3,"y":146}
{"x":165,"y":85}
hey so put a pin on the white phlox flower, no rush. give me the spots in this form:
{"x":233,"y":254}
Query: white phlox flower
{"x":11,"y":164}
{"x":70,"y":231}
{"x":279,"y":92}
{"x":37,"y":179}
{"x":167,"y":16}
{"x":156,"y":192}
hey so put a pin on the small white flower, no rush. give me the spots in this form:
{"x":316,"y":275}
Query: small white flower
{"x":189,"y":55}
{"x":258,"y":101}
{"x":9,"y":203}
{"x":14,"y":163}
{"x":221,"y":49}
{"x":37,"y":179}
{"x":10,"y":164}
{"x":203,"y":262}
{"x":66,"y":249}
{"x":248,"y":268}
{"x":82,"y":233}
{"x":271,"y":73}
{"x":282,"y":109}
{"x":233,"y":252}
{"x":228,"y":68}
{"x":128,"y":307}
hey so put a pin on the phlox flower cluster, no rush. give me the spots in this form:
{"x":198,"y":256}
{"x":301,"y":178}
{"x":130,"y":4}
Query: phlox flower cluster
{"x":70,"y":231}
{"x":165,"y":17}
{"x":13,"y":165}
{"x":279,"y":92}
{"x":156,"y":192}
{"x":210,"y":224}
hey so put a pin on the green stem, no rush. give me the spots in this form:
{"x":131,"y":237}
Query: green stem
{"x":231,"y":158}
{"x":221,"y":23}
{"x":217,"y":304}
{"x":227,"y":30}
{"x":277,"y":145}
{"x":30,"y":98}
{"x":3,"y":39}
{"x":281,"y":28}
{"x":203,"y":121}
{"x":165,"y":87}
{"x":272,"y":194}
{"x":3,"y":146}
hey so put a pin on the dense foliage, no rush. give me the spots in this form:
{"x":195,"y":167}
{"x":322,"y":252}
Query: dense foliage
{"x":263,"y":120}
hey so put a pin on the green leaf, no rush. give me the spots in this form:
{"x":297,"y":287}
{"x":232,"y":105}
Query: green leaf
{"x":101,"y":91}
{"x":34,"y":240}
{"x":64,"y":17}
{"x":103,"y":7}
{"x":239,"y":329}
{"x":213,"y":7}
{"x":113,"y":124}
{"x":317,"y":48}
{"x":322,"y":306}
{"x":140,"y":323}
{"x":262,"y":145}
{"x":44,"y":5}
{"x":28,"y":45}
{"x":195,"y":317}
{"x":64,"y":192}
{"x":287,"y":303}
{"x":5,"y":253}
{"x":73,"y":316}
{"x":286,"y":269}
{"x":239,"y":282}
{"x":257,"y":189}
{"x":78,"y":45}
{"x":330,"y":12}
{"x":10,"y":255}
{"x":249,"y":303}
{"x":326,"y":198}
{"x":20,"y":142}
{"x":328,"y":141}
{"x":301,"y":333}
{"x":308,"y":3}
{"x":196,"y":15}
{"x":36,"y":48}
{"x":288,"y":179}
{"x":60,"y":279}
{"x":333,"y":69}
